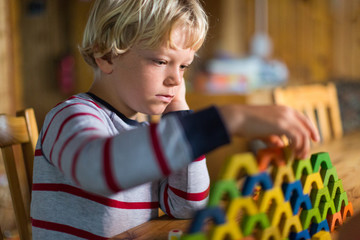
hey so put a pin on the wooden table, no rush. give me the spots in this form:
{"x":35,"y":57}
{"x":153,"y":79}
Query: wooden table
{"x":345,"y":156}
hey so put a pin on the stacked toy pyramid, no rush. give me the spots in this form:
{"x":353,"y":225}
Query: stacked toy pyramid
{"x":272,"y":196}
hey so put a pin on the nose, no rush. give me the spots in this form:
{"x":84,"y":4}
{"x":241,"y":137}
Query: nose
{"x":173,"y":78}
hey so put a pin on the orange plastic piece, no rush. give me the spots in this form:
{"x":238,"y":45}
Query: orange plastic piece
{"x":347,"y":211}
{"x":334,"y":221}
{"x":270,"y":155}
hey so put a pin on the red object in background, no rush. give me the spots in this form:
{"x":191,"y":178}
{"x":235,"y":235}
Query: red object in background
{"x":66,"y":74}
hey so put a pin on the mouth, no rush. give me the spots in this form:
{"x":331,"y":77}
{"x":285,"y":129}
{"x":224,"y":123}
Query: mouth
{"x":165,"y":98}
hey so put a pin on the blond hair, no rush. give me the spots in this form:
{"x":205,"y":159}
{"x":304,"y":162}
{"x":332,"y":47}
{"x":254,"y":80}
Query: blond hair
{"x":114,"y":26}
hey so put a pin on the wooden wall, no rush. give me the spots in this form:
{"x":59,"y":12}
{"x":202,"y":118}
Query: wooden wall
{"x":317,"y":39}
{"x":346,"y":39}
{"x":10,"y":94}
{"x":10,"y":72}
{"x":44,"y":40}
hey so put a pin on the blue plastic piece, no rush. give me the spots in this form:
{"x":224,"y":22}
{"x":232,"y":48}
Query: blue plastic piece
{"x":293,"y":192}
{"x":317,"y":227}
{"x":303,"y":235}
{"x":301,"y":202}
{"x":289,"y":188}
{"x":252,"y":181}
{"x":215,"y":213}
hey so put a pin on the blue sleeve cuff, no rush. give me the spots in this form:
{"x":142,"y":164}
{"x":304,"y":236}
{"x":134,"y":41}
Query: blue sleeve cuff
{"x":204,"y":130}
{"x":179,"y":113}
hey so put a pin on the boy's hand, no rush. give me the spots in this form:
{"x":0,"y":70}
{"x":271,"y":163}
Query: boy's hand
{"x":271,"y":122}
{"x":179,"y":102}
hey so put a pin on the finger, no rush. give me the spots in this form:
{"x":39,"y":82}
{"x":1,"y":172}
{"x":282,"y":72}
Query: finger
{"x":314,"y":133}
{"x":304,"y":149}
{"x":299,"y":141}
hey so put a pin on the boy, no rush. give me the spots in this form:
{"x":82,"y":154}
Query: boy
{"x":99,"y":172}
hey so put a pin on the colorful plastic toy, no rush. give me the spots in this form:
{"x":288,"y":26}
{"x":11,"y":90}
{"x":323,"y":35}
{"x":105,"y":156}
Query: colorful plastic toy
{"x":271,"y":196}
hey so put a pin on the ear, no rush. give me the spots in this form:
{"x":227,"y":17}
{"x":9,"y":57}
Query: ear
{"x":104,"y":65}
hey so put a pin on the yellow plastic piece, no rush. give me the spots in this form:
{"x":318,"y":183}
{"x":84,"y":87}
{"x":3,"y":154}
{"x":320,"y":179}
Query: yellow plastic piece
{"x":244,"y":203}
{"x":266,"y":198}
{"x":310,"y":180}
{"x":322,"y":235}
{"x":280,"y":173}
{"x":230,"y":228}
{"x":284,"y":208}
{"x":291,"y":222}
{"x":238,"y":162}
{"x":274,"y":196}
{"x":272,"y":233}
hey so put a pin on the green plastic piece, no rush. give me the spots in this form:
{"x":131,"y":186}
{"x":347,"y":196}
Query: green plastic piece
{"x":310,"y":216}
{"x":340,"y":200}
{"x":319,"y":195}
{"x":321,"y":159}
{"x":249,"y":223}
{"x":220,"y":188}
{"x":329,"y":176}
{"x":299,"y":166}
{"x":324,"y":208}
{"x":335,"y":188}
{"x":194,"y":236}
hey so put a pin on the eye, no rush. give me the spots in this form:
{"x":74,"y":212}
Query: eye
{"x":184,"y":67}
{"x":160,"y":62}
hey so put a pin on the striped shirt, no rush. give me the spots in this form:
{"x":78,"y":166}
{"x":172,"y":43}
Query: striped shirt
{"x":98,"y":173}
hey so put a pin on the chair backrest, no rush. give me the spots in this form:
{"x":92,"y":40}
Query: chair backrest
{"x":317,"y":101}
{"x":18,"y":134}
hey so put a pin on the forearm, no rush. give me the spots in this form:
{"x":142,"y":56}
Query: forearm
{"x":185,"y":191}
{"x":269,"y":121}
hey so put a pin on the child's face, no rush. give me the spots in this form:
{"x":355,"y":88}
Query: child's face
{"x":146,"y":81}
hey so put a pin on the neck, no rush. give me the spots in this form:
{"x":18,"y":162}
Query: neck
{"x":108,"y":94}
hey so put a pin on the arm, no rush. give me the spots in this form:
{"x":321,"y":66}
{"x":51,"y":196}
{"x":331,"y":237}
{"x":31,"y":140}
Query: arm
{"x":186,"y":190}
{"x":78,"y":138}
{"x":271,"y":122}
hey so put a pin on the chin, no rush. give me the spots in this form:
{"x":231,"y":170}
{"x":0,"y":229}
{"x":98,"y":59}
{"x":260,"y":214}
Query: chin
{"x":156,"y":111}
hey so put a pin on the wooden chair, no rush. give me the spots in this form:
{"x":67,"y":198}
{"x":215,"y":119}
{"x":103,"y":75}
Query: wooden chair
{"x":18,"y":136}
{"x":318,"y":102}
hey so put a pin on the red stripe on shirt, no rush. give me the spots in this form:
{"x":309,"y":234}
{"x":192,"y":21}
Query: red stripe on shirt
{"x":66,"y":121}
{"x":55,"y":187}
{"x":199,"y":158}
{"x":58,"y":227}
{"x":38,"y":152}
{"x":109,"y":177}
{"x":52,"y":119}
{"x":68,"y":141}
{"x":158,"y":151}
{"x":191,"y":196}
{"x":166,"y":201}
{"x":88,"y":100}
{"x":76,"y":158}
